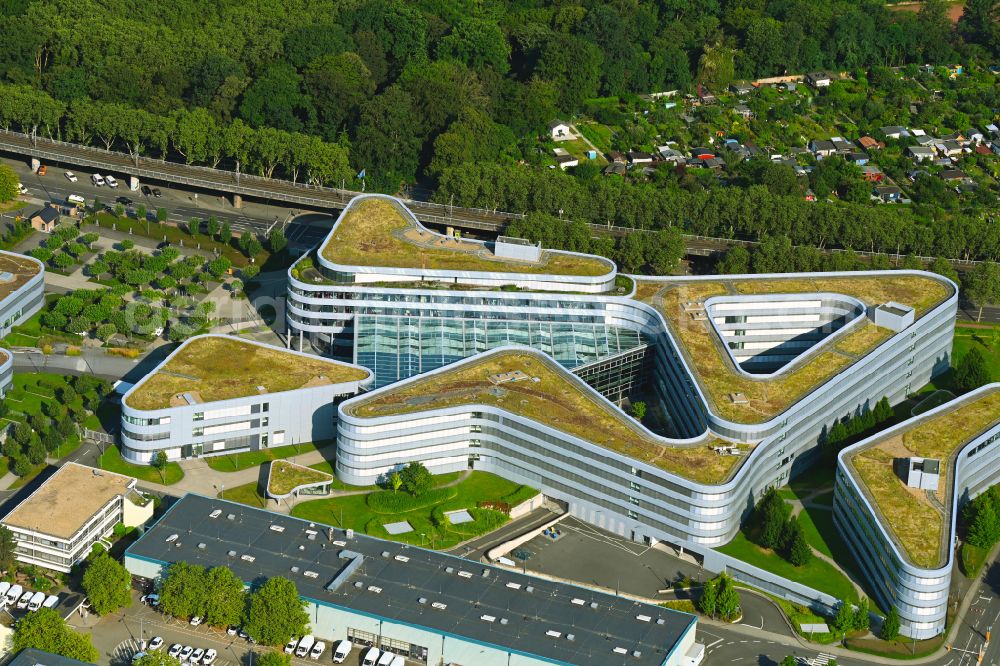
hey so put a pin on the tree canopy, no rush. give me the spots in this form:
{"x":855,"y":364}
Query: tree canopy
{"x":45,"y":630}
{"x":107,"y":584}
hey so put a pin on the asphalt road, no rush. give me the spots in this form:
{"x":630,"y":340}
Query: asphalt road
{"x":181,"y":204}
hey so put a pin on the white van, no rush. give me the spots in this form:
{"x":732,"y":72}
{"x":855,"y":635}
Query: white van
{"x":386,"y":659}
{"x":291,"y":645}
{"x":51,"y":601}
{"x":22,"y":603}
{"x":304,"y":646}
{"x":371,"y":656}
{"x":13,"y":594}
{"x":97,"y":179}
{"x":398,"y":661}
{"x":4,"y":586}
{"x":317,"y":650}
{"x":342,"y":651}
{"x":76,"y":200}
{"x":37,"y":599}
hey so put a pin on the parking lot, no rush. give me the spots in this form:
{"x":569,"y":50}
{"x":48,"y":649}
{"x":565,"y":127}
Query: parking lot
{"x":118,"y":637}
{"x":307,"y":231}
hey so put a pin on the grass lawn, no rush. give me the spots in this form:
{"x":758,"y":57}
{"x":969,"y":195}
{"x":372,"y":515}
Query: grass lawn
{"x":986,"y":339}
{"x":113,"y":462}
{"x":29,"y":477}
{"x":235,"y":462}
{"x":360,"y":512}
{"x":31,"y":334}
{"x":599,"y":135}
{"x":818,"y":574}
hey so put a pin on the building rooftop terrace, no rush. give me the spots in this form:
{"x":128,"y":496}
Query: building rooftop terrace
{"x":545,"y":392}
{"x":210,"y":368}
{"x":380,"y":232}
{"x":914,"y":518}
{"x":767,"y":397}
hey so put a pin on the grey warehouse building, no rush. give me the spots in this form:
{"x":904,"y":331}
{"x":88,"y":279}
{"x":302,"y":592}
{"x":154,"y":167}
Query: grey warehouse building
{"x":430,"y":607}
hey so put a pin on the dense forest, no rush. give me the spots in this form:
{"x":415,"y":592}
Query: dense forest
{"x":452,"y":94}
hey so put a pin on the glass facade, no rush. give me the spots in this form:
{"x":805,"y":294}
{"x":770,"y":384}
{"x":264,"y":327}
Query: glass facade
{"x":397,"y":347}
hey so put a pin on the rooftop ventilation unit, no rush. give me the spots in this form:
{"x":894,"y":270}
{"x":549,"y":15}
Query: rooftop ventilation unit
{"x":349,"y":533}
{"x":660,"y":620}
{"x":422,"y":601}
{"x":486,"y":573}
{"x":247,"y":558}
{"x":553,"y":633}
{"x":578,"y":602}
{"x":620,"y":650}
{"x":311,"y":574}
{"x":571,"y":637}
{"x":514,"y":586}
{"x":295,"y":569}
{"x":340,"y":544}
{"x":504,"y":620}
{"x":464,"y":574}
{"x":277,"y":528}
{"x":231,"y":516}
{"x":450,"y":569}
{"x":359,"y":585}
{"x":401,"y":558}
{"x":201,"y":546}
{"x":215,"y":514}
{"x":374,"y":588}
{"x":385,"y":554}
{"x":173,"y":537}
{"x":529,"y":588}
{"x":438,"y":605}
{"x":643,"y":618}
{"x":232,"y":553}
{"x":637,"y":653}
{"x":488,"y":618}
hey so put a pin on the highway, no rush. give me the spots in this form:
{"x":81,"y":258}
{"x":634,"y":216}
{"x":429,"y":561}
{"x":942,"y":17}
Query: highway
{"x":214,"y":181}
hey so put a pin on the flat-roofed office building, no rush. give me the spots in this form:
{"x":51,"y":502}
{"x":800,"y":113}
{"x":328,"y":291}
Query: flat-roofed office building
{"x":22,"y":294}
{"x":58,"y":524}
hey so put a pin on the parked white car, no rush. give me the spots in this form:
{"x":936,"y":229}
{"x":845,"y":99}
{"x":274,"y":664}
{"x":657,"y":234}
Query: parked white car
{"x":317,"y":650}
{"x":185,"y":653}
{"x":21,"y":188}
{"x":110,"y":180}
{"x":97,"y":179}
{"x":195,"y":621}
{"x":342,"y":651}
{"x":209,"y":658}
{"x":197,"y":655}
{"x":175,"y":650}
{"x":371,"y":656}
{"x":70,"y":176}
{"x":155,"y":643}
{"x":291,"y":645}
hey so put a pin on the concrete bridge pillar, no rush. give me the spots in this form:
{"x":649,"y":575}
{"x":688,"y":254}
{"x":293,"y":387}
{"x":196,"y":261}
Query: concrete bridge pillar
{"x":237,"y":201}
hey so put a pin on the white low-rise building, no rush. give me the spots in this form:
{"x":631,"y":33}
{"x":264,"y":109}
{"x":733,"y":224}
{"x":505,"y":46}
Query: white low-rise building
{"x":78,"y":506}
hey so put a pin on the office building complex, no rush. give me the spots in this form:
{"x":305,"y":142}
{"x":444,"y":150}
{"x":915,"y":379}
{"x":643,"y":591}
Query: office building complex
{"x":217,"y":394}
{"x":743,"y":374}
{"x":22,"y":294}
{"x":57,"y":525}
{"x":430,"y":607}
{"x":898,"y":494}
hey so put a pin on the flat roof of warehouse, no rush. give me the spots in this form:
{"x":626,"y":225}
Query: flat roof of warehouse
{"x":440,"y":593}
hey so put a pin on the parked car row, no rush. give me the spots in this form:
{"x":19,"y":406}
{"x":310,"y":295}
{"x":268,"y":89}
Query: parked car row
{"x":189,"y":655}
{"x":22,"y":599}
{"x":372,"y":656}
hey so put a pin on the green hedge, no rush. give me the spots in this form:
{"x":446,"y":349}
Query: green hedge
{"x":387,"y":501}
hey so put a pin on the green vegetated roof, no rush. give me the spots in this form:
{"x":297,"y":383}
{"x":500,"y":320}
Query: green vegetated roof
{"x":375,"y":232}
{"x":285,"y":476}
{"x":15,"y":271}
{"x":914,"y":518}
{"x":768,"y":397}
{"x":545,"y":394}
{"x":213,"y":368}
